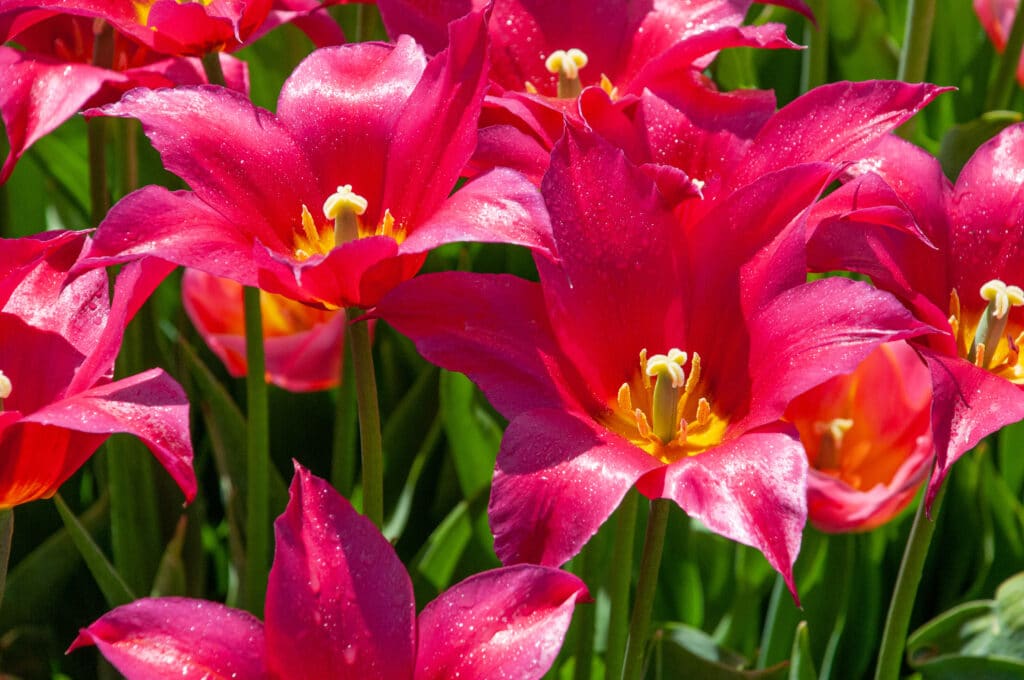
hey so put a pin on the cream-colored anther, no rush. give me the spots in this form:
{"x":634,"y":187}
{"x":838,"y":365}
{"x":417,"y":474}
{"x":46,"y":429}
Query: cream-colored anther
{"x":344,"y":199}
{"x":1002,"y":297}
{"x":5,"y":386}
{"x":670,"y":364}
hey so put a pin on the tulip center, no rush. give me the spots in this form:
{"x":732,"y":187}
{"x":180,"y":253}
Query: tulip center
{"x":142,"y":8}
{"x":567,"y":64}
{"x":670,"y":418}
{"x":343,"y":211}
{"x":830,"y":442}
{"x":990,"y":343}
{"x":5,"y":389}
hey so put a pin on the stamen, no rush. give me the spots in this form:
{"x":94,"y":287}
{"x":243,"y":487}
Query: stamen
{"x":642,"y":426}
{"x":691,"y":382}
{"x":703,"y":412}
{"x":530,"y":87}
{"x":832,"y":433}
{"x":344,"y":206}
{"x":567,"y":65}
{"x":625,"y":398}
{"x":1000,"y":298}
{"x":611,"y":90}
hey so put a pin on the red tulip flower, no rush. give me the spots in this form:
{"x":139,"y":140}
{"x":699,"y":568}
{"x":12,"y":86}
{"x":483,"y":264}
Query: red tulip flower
{"x":653,"y":353}
{"x":996,"y":17}
{"x":964,"y":277}
{"x":337,"y":197}
{"x":868,"y":439}
{"x":340,"y":604}
{"x":303,"y":344}
{"x":60,"y":339}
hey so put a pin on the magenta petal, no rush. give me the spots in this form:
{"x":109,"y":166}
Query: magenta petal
{"x":39,"y":94}
{"x":339,"y":602}
{"x":813,"y":332}
{"x":490,"y":327}
{"x":427,"y":22}
{"x":150,"y":405}
{"x":505,"y":623}
{"x":174,"y":226}
{"x":174,"y":638}
{"x":501,"y":206}
{"x":558,"y":477}
{"x":968,"y":403}
{"x":752,"y":489}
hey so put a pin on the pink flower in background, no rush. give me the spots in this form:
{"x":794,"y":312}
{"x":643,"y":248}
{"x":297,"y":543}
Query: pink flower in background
{"x":964,"y":277}
{"x":303,"y":344}
{"x":337,"y":197}
{"x":653,"y":353}
{"x":340,"y":604}
{"x":59,"y":341}
{"x":868,"y":439}
{"x":996,"y":17}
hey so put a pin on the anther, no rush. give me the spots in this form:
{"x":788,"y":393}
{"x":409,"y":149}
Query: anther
{"x":703,"y":412}
{"x":625,"y":398}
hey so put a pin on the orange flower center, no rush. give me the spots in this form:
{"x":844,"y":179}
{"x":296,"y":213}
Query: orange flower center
{"x":672,"y":417}
{"x":343,"y":211}
{"x":990,"y":341}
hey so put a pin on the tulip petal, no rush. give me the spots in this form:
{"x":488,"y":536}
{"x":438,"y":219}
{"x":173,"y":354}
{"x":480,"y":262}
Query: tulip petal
{"x":505,"y":623}
{"x":339,"y":602}
{"x":752,"y":489}
{"x":173,"y":638}
{"x":559,"y":476}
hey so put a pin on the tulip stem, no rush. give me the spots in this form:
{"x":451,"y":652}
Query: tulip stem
{"x":213,"y":69}
{"x":917,"y":39}
{"x":620,"y":578}
{"x":584,"y":619}
{"x":814,"y":65}
{"x":650,"y":564}
{"x":894,"y":636}
{"x":6,"y":534}
{"x":344,"y":448}
{"x":257,"y":527}
{"x":1002,"y":85}
{"x":357,"y":337}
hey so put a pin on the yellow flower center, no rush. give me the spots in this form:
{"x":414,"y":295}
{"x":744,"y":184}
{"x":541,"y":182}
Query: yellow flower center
{"x":989,"y":341}
{"x":567,"y":64}
{"x":342,"y":213}
{"x":142,"y":8}
{"x":830,"y":442}
{"x":671,"y":418}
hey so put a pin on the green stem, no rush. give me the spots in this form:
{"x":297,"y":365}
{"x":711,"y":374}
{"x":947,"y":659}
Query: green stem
{"x":257,"y":527}
{"x":650,"y":564}
{"x":357,"y":337}
{"x":894,"y":635}
{"x":814,"y":66}
{"x":103,"y":56}
{"x":345,"y":428}
{"x":917,"y":38}
{"x":619,"y":579}
{"x":584,"y":620}
{"x":212,"y":67}
{"x":1001,"y":89}
{"x":6,"y":534}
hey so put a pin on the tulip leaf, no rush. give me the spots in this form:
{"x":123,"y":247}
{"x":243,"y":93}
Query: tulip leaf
{"x":403,"y":507}
{"x":801,"y":664}
{"x":683,"y":651}
{"x":961,"y":141}
{"x":66,"y":163}
{"x":170,"y":576}
{"x":115,"y":590}
{"x":472,"y":433}
{"x":1011,"y":463}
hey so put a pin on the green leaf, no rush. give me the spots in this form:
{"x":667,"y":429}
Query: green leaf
{"x":472,"y":433}
{"x":961,"y":141}
{"x":115,"y":590}
{"x":170,"y":576}
{"x":682,"y":651}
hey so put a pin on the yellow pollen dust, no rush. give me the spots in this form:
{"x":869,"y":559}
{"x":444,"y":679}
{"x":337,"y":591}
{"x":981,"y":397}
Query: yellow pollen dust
{"x":988,"y":341}
{"x":344,"y":208}
{"x":669,"y":418}
{"x":567,"y":64}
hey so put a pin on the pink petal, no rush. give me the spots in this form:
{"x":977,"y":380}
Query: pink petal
{"x":492,"y":328}
{"x":172,"y":637}
{"x":339,"y":602}
{"x":504,"y":623}
{"x":27,"y":476}
{"x":752,"y":489}
{"x":150,"y":405}
{"x":426,"y":22}
{"x":559,"y":476}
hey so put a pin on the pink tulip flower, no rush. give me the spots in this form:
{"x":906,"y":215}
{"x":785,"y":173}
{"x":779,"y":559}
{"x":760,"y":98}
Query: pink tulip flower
{"x":340,"y":605}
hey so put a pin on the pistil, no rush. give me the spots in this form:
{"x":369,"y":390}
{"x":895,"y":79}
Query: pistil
{"x":567,"y":64}
{"x":667,"y":369}
{"x":5,"y":388}
{"x":344,"y":207}
{"x":1001,"y":298}
{"x":831,"y":442}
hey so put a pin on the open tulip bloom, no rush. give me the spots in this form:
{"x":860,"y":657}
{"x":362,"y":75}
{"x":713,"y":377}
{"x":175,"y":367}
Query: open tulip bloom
{"x":653,"y":353}
{"x":337,"y":197}
{"x":60,"y":339}
{"x":964,"y":277}
{"x":340,"y":605}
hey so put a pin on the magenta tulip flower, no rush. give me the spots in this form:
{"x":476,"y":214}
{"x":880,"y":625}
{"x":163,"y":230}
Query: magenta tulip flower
{"x":868,"y":440}
{"x":654,"y":353}
{"x":996,"y":17}
{"x":340,"y":605}
{"x":53,"y":75}
{"x":57,"y":400}
{"x":339,"y":196}
{"x":964,"y":277}
{"x":302,"y":344}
